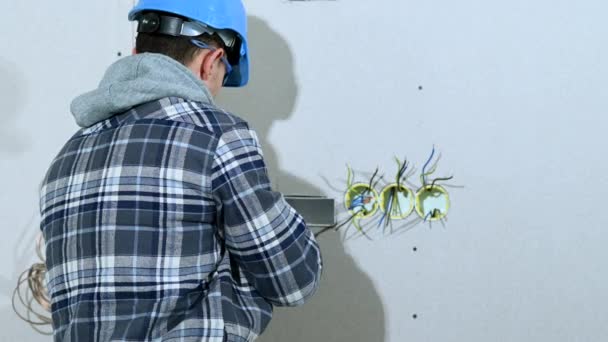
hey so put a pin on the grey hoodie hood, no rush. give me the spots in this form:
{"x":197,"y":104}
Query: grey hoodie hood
{"x":135,"y":80}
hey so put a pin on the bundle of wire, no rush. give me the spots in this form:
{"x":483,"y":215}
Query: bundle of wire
{"x":434,"y":212}
{"x":392,"y":202}
{"x":358,"y":202}
{"x":433,"y":169}
{"x":34,"y":293}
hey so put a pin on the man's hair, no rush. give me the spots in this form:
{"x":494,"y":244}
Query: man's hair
{"x":179,"y":48}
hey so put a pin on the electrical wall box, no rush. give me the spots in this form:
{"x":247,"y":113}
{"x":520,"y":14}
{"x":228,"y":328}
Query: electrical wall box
{"x":317,"y":211}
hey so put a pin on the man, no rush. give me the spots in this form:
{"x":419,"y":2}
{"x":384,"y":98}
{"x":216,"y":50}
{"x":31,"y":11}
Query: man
{"x":158,"y":216}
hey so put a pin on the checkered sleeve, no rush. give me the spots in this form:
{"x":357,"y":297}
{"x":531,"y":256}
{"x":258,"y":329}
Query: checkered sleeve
{"x":269,"y":240}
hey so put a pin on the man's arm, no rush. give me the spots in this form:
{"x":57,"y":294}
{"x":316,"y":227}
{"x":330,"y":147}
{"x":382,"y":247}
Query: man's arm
{"x":268,"y":238}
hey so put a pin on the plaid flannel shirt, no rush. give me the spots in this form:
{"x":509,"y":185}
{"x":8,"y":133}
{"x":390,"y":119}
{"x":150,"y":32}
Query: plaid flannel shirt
{"x":160,"y":225}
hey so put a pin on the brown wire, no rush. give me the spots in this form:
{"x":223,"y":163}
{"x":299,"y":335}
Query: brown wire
{"x":34,"y":293}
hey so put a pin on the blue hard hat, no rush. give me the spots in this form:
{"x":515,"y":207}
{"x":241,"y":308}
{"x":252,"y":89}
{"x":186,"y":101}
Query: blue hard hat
{"x":219,"y":15}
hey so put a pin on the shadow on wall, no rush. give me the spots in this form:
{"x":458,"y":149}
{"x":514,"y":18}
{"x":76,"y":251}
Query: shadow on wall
{"x":12,"y":98}
{"x":270,"y":96}
{"x":347,"y":307}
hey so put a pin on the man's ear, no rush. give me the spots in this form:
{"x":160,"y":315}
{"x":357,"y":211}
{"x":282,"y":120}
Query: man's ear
{"x":210,"y":63}
{"x":134,"y":51}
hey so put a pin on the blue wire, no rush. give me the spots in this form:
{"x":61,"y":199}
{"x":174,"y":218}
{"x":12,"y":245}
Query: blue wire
{"x":387,"y":211}
{"x":427,"y":216}
{"x":356,"y":202}
{"x":382,"y":219}
{"x":427,"y":164}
